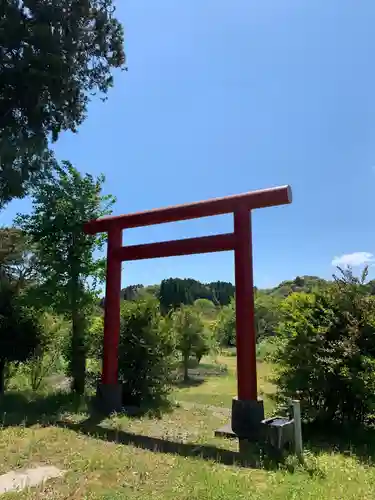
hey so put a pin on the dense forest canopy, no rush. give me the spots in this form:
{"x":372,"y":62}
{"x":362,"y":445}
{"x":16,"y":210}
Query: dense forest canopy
{"x":173,"y":292}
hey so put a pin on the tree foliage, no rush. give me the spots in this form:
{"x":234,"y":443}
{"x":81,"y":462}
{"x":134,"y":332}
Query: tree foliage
{"x":206,"y":308}
{"x":175,"y":291}
{"x":53,"y":57}
{"x":306,"y":284}
{"x":17,"y":257}
{"x":20,"y":331}
{"x":66,"y":256}
{"x":225,"y":325}
{"x":328,"y":354}
{"x":267,"y":314}
{"x":146,"y":354}
{"x":47,"y":356}
{"x":192,"y":339}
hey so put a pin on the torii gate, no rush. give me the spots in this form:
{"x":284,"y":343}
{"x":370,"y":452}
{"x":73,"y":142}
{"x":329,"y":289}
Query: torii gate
{"x":247,"y":411}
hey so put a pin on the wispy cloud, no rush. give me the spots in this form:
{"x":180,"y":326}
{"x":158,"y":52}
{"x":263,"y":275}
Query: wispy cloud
{"x":353,"y":259}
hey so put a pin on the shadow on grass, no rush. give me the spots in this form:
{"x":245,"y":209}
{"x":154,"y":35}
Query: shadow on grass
{"x":357,"y":441}
{"x":199,"y":373}
{"x":191,"y":382}
{"x":254,"y":457}
{"x":27,"y":409}
{"x":22,"y":409}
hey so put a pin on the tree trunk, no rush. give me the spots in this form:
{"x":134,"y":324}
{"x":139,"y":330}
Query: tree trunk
{"x":2,"y":376}
{"x":78,"y":344}
{"x":186,"y":367}
{"x":78,"y":353}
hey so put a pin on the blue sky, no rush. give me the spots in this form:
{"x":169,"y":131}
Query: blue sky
{"x":225,"y":97}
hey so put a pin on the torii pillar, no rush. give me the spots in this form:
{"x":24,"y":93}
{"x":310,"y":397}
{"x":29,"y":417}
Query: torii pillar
{"x":247,"y":410}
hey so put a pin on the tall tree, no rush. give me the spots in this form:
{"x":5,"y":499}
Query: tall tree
{"x":53,"y":56}
{"x":66,"y":255}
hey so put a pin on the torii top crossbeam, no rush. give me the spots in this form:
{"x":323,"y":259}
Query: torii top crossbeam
{"x":217,"y":206}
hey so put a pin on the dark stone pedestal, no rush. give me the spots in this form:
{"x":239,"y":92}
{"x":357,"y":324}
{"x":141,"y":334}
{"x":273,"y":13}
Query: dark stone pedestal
{"x":109,"y":398}
{"x":246,"y":421}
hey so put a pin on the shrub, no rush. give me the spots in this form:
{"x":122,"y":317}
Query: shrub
{"x":267,"y":348}
{"x":225,"y":326}
{"x":327,"y":358}
{"x":267,"y":315}
{"x":94,"y":336}
{"x":206,"y":308}
{"x":192,"y":338}
{"x":20,"y":332}
{"x":146,"y":354}
{"x":46,"y":359}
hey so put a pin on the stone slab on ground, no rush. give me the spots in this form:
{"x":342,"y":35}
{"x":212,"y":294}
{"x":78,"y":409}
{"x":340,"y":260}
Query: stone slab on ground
{"x":20,"y":480}
{"x":226,"y":431}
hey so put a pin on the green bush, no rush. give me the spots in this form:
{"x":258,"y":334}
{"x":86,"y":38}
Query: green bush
{"x":46,"y":359}
{"x":225,"y":326}
{"x":267,"y":315}
{"x":146,"y":354}
{"x":20,"y":330}
{"x":192,"y":337}
{"x":95,"y":336}
{"x":267,"y":348}
{"x":206,"y":308}
{"x":327,"y":356}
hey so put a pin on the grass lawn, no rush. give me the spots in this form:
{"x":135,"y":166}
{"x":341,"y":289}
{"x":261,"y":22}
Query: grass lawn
{"x":174,"y":457}
{"x":219,"y":386}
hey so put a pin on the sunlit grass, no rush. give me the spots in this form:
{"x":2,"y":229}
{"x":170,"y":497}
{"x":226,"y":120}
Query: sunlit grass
{"x":219,"y":390}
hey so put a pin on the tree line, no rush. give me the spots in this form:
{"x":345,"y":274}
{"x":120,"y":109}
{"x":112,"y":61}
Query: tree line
{"x":173,"y":292}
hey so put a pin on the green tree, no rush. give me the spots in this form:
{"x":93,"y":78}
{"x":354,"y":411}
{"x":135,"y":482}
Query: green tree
{"x":225,"y":325}
{"x":47,"y":357}
{"x":17,"y":257}
{"x":146,"y":354}
{"x":191,"y":337}
{"x":222,"y":292}
{"x":327,"y":355}
{"x":306,"y":284}
{"x":65,"y":254}
{"x":20,"y":332}
{"x":206,"y":308}
{"x":267,"y":314}
{"x":54,"y":56}
{"x":176,"y":291}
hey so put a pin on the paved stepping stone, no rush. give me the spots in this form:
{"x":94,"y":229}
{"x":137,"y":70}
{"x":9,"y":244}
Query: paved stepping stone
{"x":20,"y":480}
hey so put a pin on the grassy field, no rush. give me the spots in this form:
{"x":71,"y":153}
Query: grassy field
{"x":173,"y":457}
{"x":219,"y":383}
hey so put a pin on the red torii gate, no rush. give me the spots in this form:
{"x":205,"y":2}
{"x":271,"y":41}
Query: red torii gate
{"x":246,"y":407}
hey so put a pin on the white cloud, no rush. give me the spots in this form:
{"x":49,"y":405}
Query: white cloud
{"x":353,"y":259}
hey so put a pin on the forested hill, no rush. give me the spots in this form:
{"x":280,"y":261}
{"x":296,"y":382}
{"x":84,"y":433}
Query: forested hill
{"x":175,"y":291}
{"x":305,"y":284}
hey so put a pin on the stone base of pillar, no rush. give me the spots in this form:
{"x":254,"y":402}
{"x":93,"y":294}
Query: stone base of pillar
{"x":246,"y":422}
{"x":109,"y":398}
